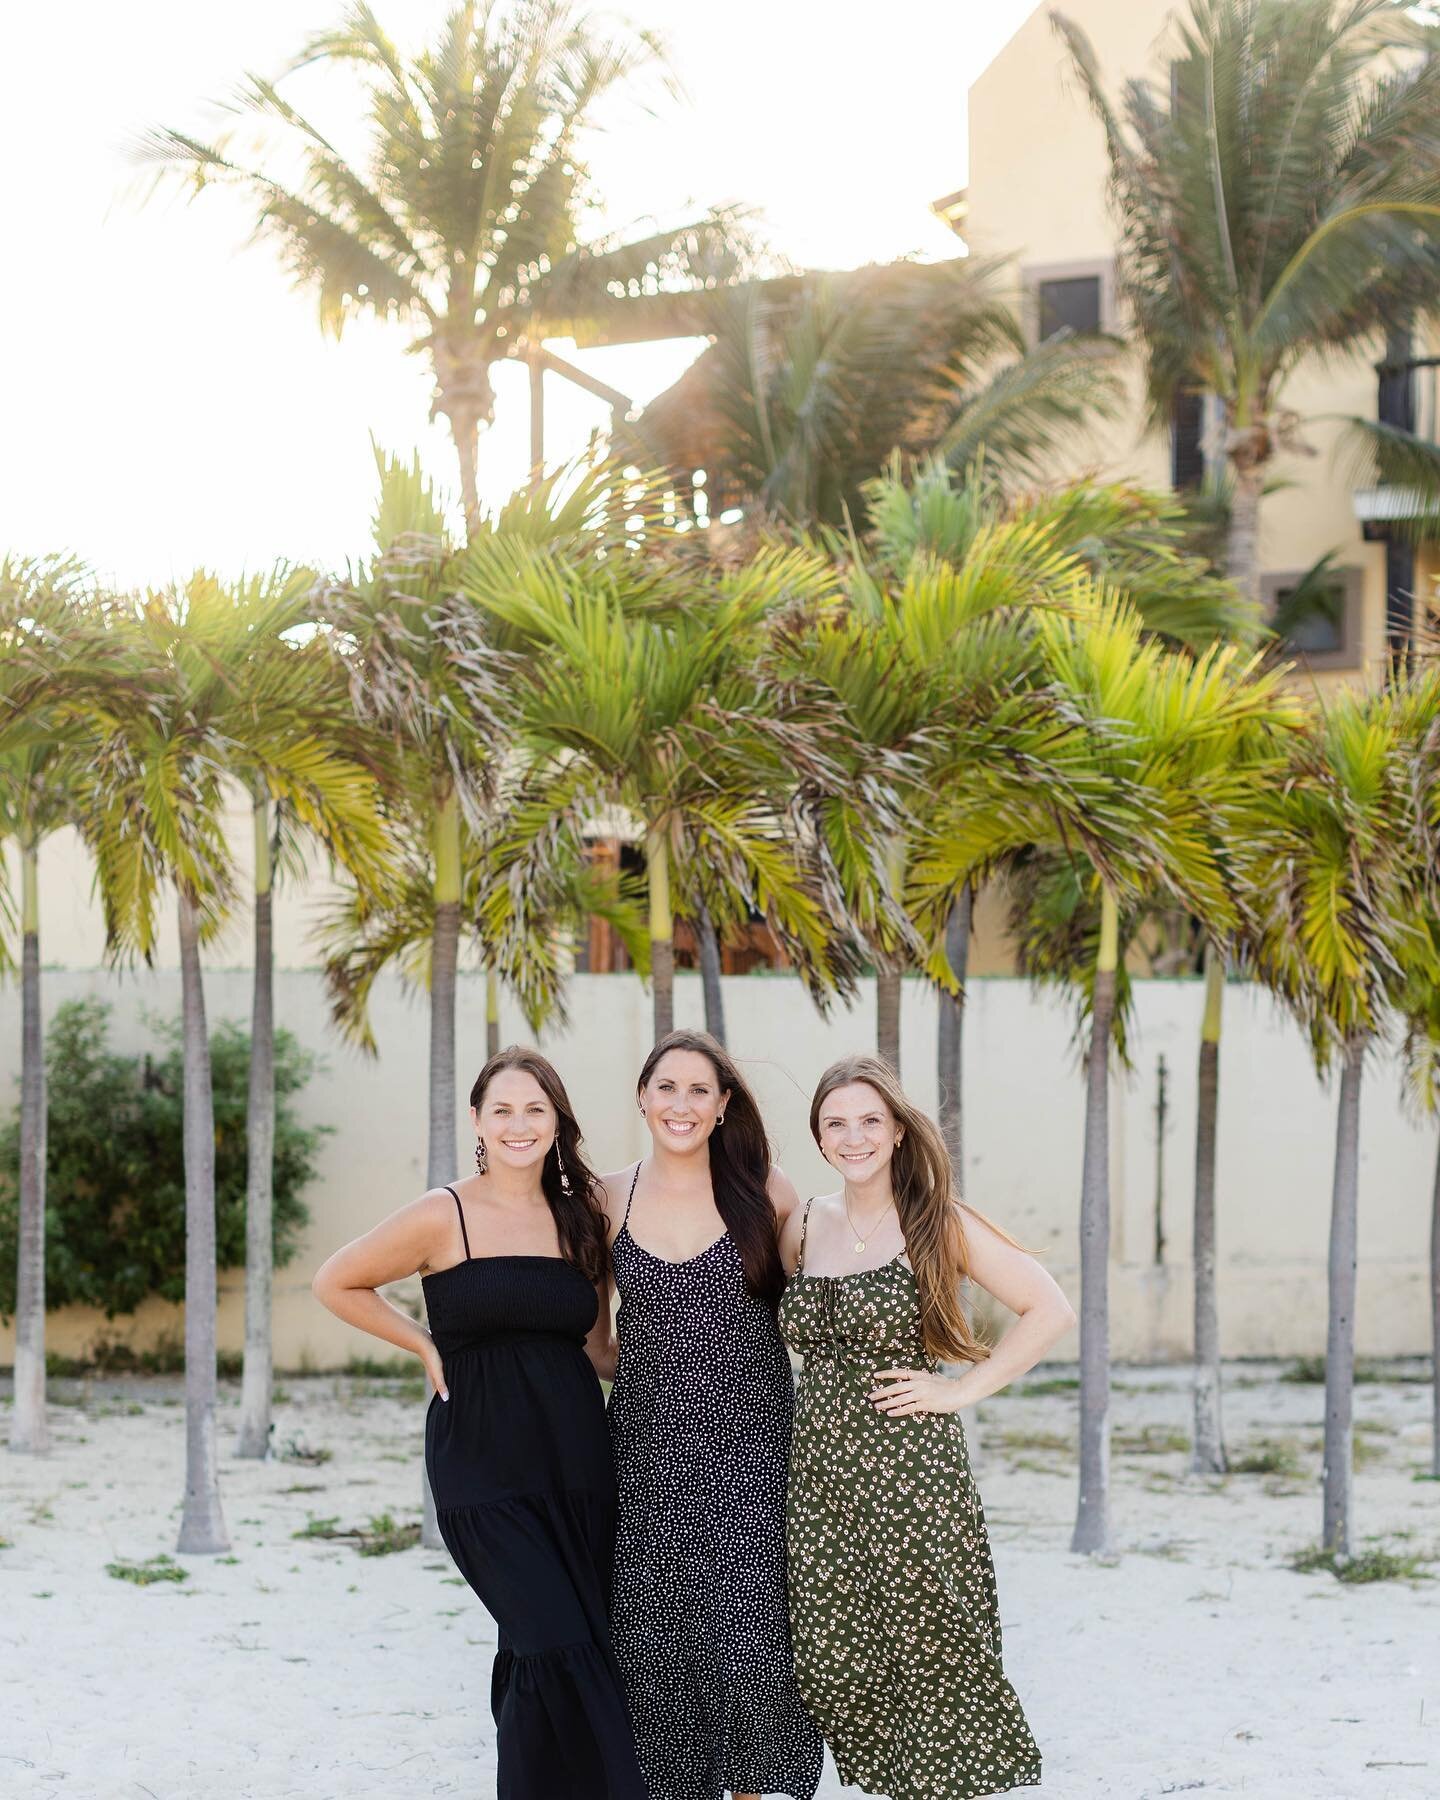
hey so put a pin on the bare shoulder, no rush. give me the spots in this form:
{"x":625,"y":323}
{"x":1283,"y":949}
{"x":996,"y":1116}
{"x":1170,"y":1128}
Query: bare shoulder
{"x":980,"y":1230}
{"x":783,"y":1195}
{"x":617,"y":1185}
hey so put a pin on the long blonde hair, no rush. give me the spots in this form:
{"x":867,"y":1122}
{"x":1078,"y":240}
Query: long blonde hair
{"x":928,"y":1205}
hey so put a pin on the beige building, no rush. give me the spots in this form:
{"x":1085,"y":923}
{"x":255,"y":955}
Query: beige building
{"x":1037,"y":193}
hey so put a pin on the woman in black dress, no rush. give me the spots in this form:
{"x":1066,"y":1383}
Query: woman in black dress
{"x":514,"y":1266}
{"x":701,"y":1414}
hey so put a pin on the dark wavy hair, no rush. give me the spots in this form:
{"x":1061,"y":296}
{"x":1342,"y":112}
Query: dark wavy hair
{"x":580,"y":1221}
{"x":740,"y":1164}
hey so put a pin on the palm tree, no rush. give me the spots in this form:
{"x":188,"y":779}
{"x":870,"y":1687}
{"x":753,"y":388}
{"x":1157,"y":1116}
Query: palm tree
{"x":814,"y":380}
{"x":54,"y":662}
{"x":295,"y":682}
{"x":635,"y":694}
{"x":1344,"y":901}
{"x":1277,"y":188}
{"x":463,"y":223}
{"x":155,"y":823}
{"x":1420,"y":1005}
{"x":1142,"y":783}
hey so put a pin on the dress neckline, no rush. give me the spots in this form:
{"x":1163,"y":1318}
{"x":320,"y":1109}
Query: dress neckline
{"x":504,"y":1256}
{"x":670,"y":1262}
{"x":856,"y":1274}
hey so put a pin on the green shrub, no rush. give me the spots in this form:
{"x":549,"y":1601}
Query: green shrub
{"x":115,"y":1175}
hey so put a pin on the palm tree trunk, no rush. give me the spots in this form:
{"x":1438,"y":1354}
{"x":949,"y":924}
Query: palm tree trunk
{"x":440,"y":1161}
{"x":710,"y":975}
{"x":257,"y":1379}
{"x":1092,"y":1517}
{"x":1208,"y":1457}
{"x":1435,"y":1321}
{"x":887,"y":1013}
{"x":950,"y":1043}
{"x":29,"y":1424}
{"x":1340,"y":1342}
{"x":1242,"y":547}
{"x":202,"y":1524}
{"x":537,"y":421}
{"x":492,"y":1013}
{"x":662,"y":931}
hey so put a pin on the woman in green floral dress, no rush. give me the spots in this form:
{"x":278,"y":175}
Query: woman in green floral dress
{"x":892,"y":1589}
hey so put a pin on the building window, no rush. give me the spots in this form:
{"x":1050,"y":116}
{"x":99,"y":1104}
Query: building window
{"x":1069,"y":304}
{"x":1187,"y":439}
{"x":1316,"y":613}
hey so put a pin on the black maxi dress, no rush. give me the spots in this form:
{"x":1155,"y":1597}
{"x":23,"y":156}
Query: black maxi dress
{"x":701,"y":1414}
{"x":520,"y":1465}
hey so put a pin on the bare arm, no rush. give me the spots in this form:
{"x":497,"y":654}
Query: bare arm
{"x":399,"y":1246}
{"x":1043,"y":1316}
{"x":783,"y":1197}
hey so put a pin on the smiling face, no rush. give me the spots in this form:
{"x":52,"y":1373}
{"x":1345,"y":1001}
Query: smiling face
{"x":683,"y":1100}
{"x":516,"y":1120}
{"x":858,"y":1132}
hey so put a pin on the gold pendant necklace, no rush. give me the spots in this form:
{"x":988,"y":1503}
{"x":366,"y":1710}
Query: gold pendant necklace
{"x":859,"y":1240}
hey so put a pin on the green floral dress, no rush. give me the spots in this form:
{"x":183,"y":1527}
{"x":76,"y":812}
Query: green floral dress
{"x":892,"y":1589}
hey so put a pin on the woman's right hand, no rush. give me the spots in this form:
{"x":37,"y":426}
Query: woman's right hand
{"x":434,"y":1368}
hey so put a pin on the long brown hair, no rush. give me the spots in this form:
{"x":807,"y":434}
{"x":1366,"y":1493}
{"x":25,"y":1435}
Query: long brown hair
{"x":927,"y":1203}
{"x":580,"y":1222}
{"x":740,"y":1164}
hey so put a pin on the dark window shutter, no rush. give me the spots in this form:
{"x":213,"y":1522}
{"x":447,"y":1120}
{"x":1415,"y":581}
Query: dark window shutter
{"x":1069,"y":303}
{"x":1187,"y":434}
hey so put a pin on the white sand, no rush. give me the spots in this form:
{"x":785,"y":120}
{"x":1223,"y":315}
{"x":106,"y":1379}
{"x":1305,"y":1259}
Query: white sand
{"x":1194,"y":1661}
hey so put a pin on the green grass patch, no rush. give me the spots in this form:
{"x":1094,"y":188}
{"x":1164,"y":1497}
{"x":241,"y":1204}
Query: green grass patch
{"x":146,"y":1574}
{"x":1053,"y":1441}
{"x":1052,"y":1384}
{"x":1266,"y":1456}
{"x":381,"y":1535}
{"x":296,"y":1449}
{"x":1152,"y":1440}
{"x":376,"y":1366}
{"x":1374,"y":1564}
{"x":1310,"y":1371}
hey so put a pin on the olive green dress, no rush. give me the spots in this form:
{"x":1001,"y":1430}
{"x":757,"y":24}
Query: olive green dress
{"x":893,"y":1607}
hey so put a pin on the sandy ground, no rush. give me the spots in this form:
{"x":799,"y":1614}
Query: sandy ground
{"x":1193,"y":1660}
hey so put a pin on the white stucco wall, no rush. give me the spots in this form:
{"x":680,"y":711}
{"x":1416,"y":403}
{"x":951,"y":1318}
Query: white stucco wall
{"x":1023,"y":1100}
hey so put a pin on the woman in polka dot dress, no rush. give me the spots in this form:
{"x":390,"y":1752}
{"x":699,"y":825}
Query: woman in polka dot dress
{"x":701,"y":1415}
{"x":892,"y":1589}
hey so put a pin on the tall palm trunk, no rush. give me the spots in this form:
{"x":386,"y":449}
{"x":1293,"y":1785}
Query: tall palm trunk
{"x":202,"y":1524}
{"x":887,"y":1012}
{"x":1208,"y":1457}
{"x":710,"y":975}
{"x":257,"y":1380}
{"x":492,"y":1013}
{"x":662,"y":931}
{"x":440,"y":1163}
{"x":1340,"y":1341}
{"x":29,"y":1424}
{"x":950,"y":1041}
{"x":1435,"y":1321}
{"x":1092,"y":1516}
{"x":1242,"y":546}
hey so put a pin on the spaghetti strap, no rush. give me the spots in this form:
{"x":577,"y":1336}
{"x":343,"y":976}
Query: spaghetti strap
{"x":630,"y":1200}
{"x":464,"y":1234}
{"x":804,"y":1233}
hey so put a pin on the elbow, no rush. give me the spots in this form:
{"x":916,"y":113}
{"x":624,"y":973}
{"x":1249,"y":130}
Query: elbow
{"x":322,"y":1286}
{"x":1066,"y":1318}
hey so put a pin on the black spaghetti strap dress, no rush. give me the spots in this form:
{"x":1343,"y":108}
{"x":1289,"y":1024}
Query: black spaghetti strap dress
{"x":701,"y":1414}
{"x":520,"y":1465}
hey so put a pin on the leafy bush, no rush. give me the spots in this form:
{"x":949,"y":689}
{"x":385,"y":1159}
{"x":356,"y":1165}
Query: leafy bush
{"x":115,"y":1181}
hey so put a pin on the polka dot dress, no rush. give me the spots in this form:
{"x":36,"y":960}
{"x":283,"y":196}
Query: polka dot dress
{"x":701,"y":1415}
{"x":892,"y":1588}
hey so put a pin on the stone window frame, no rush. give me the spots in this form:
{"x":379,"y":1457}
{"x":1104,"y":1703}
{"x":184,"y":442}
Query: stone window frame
{"x":1351,"y":576}
{"x":1032,"y":274}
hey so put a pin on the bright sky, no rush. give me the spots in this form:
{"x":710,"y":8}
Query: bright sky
{"x":168,"y":400}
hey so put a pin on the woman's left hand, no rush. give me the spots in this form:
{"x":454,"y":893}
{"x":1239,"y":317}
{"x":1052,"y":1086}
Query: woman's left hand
{"x":915,"y":1391}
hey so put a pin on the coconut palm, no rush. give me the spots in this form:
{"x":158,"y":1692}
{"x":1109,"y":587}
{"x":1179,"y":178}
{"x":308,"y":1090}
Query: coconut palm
{"x":1143,"y":781}
{"x":812,"y":381}
{"x":54,"y":670}
{"x":155,"y":824}
{"x":462,"y":222}
{"x":1344,"y":894}
{"x":1420,"y":1008}
{"x":297,"y":681}
{"x":635,"y":697}
{"x":1277,"y":188}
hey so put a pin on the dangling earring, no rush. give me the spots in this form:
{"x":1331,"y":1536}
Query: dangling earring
{"x":721,"y":1119}
{"x":482,"y":1161}
{"x":565,"y":1187}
